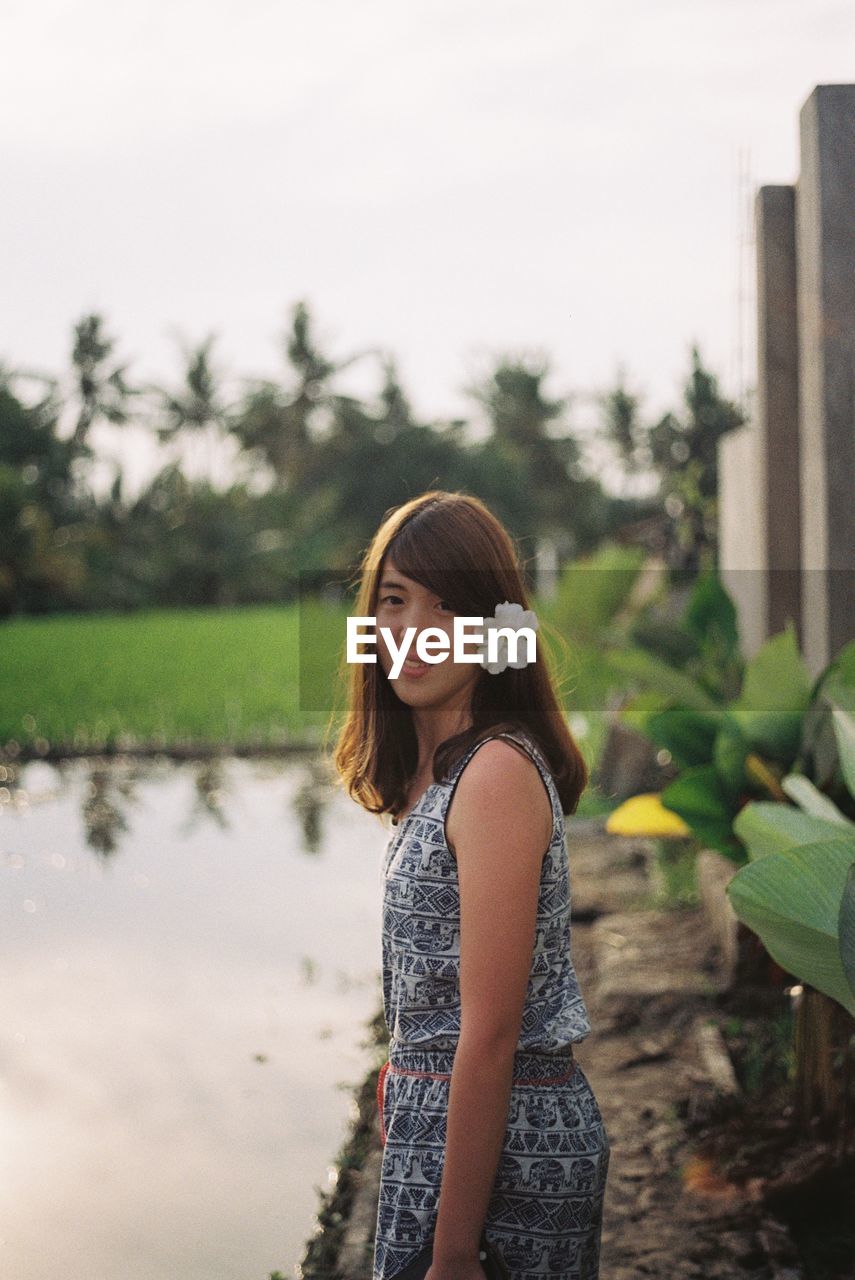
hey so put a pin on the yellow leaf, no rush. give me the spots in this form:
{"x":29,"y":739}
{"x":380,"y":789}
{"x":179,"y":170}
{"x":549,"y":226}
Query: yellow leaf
{"x":645,"y":815}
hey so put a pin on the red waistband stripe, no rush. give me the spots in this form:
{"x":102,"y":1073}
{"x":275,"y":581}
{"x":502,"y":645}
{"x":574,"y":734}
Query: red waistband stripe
{"x":445,"y":1075}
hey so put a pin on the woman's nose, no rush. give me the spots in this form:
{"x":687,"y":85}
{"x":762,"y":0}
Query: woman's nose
{"x":403,"y":628}
{"x":414,"y":617}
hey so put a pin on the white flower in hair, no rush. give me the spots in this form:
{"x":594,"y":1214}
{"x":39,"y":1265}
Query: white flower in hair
{"x":513,"y":616}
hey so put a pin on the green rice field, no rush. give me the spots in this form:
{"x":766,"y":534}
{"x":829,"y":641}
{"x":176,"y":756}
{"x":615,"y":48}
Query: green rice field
{"x":178,"y":678}
{"x":174,"y":675}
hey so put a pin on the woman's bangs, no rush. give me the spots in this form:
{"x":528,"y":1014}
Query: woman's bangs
{"x":442,"y":569}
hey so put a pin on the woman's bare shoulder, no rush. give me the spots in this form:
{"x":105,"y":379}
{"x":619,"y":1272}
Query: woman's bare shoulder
{"x":501,"y":786}
{"x":500,"y":757}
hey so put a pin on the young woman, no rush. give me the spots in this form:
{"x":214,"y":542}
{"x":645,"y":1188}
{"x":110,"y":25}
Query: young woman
{"x":488,"y":1123}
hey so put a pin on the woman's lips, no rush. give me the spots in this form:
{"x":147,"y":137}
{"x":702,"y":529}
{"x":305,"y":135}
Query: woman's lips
{"x":414,"y":668}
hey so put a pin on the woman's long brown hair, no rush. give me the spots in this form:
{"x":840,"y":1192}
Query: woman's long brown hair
{"x":454,"y":546}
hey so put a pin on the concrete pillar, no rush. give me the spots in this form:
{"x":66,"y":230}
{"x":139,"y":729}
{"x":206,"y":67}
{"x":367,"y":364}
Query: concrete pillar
{"x":742,"y":543}
{"x":546,"y":568}
{"x":825,"y":243}
{"x":759,"y":535}
{"x":777,"y":406}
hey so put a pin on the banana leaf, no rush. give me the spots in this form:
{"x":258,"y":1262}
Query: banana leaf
{"x":642,"y":705}
{"x":774,"y":734}
{"x":846,"y":929}
{"x":834,"y":687}
{"x":729,"y":752}
{"x":776,"y":678}
{"x":836,"y":683}
{"x":792,"y":900}
{"x":665,"y":640}
{"x":654,"y":674}
{"x":711,"y":612}
{"x":812,"y":800}
{"x":689,"y":735}
{"x":844,"y":732}
{"x":768,"y":827}
{"x":701,"y":800}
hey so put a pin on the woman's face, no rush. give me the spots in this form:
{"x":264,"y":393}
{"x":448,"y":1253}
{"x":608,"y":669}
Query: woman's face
{"x":403,"y":603}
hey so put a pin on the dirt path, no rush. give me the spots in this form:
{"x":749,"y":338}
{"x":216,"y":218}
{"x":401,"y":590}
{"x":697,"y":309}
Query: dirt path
{"x":655,"y":1062}
{"x":649,"y":977}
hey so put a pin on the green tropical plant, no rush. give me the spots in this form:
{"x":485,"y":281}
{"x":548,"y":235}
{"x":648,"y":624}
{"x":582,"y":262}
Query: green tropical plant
{"x":793,"y":901}
{"x":701,"y":646}
{"x":768,"y":778}
{"x":797,"y":893}
{"x":778,"y":737}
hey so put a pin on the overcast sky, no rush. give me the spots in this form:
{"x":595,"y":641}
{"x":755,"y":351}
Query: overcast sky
{"x":444,"y":178}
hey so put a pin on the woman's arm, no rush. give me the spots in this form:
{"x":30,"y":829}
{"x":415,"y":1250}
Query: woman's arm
{"x":499,"y":825}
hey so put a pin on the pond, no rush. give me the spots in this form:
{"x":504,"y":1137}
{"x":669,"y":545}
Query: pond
{"x":190,"y":957}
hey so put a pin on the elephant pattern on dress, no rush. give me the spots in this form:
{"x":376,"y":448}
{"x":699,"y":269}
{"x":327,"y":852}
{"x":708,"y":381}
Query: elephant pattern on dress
{"x":546,"y":1203}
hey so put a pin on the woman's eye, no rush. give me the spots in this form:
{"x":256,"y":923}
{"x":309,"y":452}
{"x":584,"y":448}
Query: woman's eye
{"x":393,"y":599}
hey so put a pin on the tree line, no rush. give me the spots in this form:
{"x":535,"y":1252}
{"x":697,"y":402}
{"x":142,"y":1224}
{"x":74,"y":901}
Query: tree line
{"x":315,"y":471}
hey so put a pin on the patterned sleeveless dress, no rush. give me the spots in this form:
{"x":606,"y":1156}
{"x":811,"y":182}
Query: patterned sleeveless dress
{"x":545,"y":1211}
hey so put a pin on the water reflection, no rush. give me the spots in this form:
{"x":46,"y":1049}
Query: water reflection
{"x":189,"y":956}
{"x":211,"y":787}
{"x":103,"y":816}
{"x":110,"y":793}
{"x":309,"y":800}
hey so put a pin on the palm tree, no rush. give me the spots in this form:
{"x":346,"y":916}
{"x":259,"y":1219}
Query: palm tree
{"x":530,"y":436}
{"x":621,"y":420}
{"x":277,"y":421}
{"x":197,"y":406}
{"x":680,"y":451}
{"x":100,"y":388}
